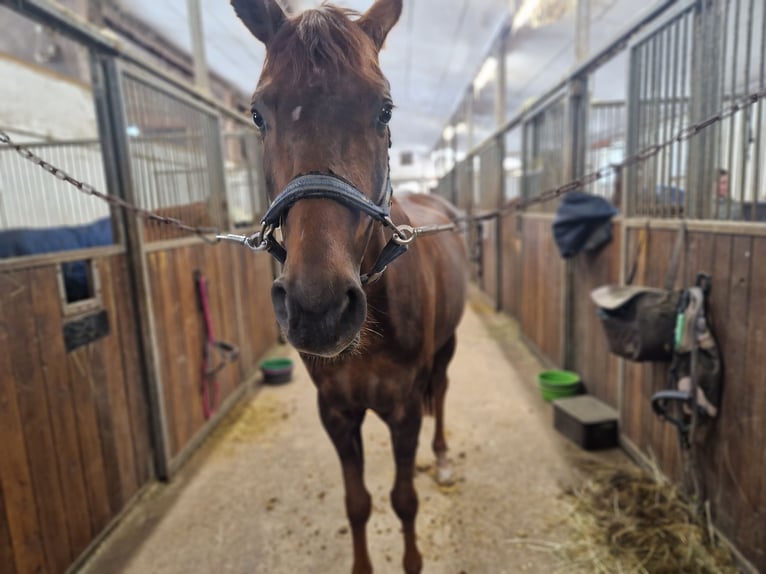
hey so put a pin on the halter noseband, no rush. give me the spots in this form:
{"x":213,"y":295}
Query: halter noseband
{"x":321,"y":186}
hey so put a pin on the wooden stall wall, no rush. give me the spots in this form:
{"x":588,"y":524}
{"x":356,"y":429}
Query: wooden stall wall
{"x":74,"y":440}
{"x":489,"y":270}
{"x":541,"y":287}
{"x":591,"y":358}
{"x":732,"y":456}
{"x":237,"y":279}
{"x":511,"y":268}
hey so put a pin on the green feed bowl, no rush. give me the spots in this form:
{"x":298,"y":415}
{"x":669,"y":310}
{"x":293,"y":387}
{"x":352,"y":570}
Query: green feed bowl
{"x":277,"y":371}
{"x":558,"y":384}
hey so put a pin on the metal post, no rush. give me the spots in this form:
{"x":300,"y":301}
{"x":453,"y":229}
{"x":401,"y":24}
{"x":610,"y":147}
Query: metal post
{"x":201,"y":76}
{"x":111,"y":122}
{"x":575,"y":143}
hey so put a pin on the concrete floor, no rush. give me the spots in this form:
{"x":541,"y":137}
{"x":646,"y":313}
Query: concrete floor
{"x":264,"y":494}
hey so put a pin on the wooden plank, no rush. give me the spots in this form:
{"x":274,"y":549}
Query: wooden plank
{"x":34,"y":411}
{"x":135,"y":387}
{"x":245,"y":298}
{"x":95,"y":354}
{"x":20,"y":505}
{"x":721,"y":483}
{"x":115,"y":388}
{"x":234,"y":370}
{"x":217,"y":273}
{"x":53,"y":364}
{"x":7,"y":558}
{"x":193,"y":334}
{"x":171,"y":315}
{"x":733,"y":335}
{"x":83,"y":382}
{"x":756,"y":546}
{"x":742,"y":369}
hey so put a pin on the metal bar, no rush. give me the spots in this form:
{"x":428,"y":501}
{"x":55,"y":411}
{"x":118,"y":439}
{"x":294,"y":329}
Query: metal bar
{"x":746,"y":114}
{"x":110,"y":104}
{"x":632,"y":132}
{"x":732,"y":120}
{"x":685,"y":85}
{"x":676,"y":211}
{"x":668,"y":107}
{"x":662,"y":103}
{"x":759,"y":121}
{"x":724,"y":45}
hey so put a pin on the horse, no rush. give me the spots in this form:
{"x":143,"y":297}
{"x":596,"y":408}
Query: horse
{"x":374,"y":333}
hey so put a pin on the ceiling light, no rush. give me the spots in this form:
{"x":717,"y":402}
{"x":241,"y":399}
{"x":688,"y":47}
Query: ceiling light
{"x":486,"y":74}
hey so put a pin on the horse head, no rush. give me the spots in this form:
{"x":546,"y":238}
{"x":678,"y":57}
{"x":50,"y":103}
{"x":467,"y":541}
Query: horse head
{"x":323,"y":106}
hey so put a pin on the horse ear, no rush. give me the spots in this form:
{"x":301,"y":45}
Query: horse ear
{"x":263,"y":18}
{"x":379,"y":19}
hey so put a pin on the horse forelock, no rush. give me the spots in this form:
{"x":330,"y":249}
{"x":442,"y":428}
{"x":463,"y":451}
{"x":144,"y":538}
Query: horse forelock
{"x":320,"y":45}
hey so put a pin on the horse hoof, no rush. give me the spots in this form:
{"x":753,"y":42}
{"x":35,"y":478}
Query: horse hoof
{"x":444,"y":476}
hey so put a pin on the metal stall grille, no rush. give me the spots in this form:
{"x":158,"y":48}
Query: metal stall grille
{"x":31,"y":198}
{"x":738,"y":29}
{"x":175,"y":156}
{"x":661,"y":86}
{"x":697,"y":63}
{"x":244,"y":197}
{"x":606,"y":145}
{"x":544,"y":165}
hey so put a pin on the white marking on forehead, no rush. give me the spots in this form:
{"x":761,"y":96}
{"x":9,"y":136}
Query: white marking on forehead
{"x":297,"y":113}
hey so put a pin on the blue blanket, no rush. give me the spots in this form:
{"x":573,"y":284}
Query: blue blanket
{"x":29,"y":241}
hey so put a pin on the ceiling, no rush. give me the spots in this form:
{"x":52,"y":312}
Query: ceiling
{"x":431,"y":56}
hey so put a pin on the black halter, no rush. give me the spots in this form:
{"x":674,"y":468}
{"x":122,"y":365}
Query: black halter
{"x":321,"y":186}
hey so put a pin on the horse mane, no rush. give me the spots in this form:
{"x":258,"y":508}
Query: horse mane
{"x":320,"y":45}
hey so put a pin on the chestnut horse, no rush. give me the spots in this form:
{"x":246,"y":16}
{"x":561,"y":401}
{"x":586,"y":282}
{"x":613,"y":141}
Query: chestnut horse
{"x":369,"y":339}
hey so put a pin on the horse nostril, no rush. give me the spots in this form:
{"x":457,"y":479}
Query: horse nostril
{"x":353,"y":305}
{"x":279,"y":299}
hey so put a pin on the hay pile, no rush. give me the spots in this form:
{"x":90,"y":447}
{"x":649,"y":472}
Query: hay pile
{"x":631,"y":521}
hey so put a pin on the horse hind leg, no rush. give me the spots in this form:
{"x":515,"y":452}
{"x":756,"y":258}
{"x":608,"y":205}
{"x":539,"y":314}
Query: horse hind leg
{"x":438,"y":391}
{"x":345,"y":432}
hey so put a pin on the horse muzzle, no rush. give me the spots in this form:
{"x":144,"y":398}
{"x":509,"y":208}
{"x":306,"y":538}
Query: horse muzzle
{"x":321,"y":322}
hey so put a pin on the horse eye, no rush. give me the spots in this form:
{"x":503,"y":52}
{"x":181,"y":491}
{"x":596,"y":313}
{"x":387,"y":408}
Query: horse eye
{"x":385,"y":114}
{"x":258,"y":120}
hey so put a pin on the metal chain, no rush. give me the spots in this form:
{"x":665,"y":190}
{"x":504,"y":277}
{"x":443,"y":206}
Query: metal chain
{"x":406,"y":234}
{"x":88,"y":189}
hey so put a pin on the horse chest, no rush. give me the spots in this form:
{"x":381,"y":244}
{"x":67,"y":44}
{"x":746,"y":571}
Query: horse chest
{"x":368,"y":385}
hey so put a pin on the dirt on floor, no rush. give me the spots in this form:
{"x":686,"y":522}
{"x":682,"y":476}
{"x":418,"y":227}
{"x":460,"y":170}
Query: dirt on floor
{"x":264,"y":493}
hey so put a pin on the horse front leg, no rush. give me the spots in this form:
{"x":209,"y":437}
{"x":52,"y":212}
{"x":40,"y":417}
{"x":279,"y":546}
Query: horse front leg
{"x":344,"y":429}
{"x":404,"y":438}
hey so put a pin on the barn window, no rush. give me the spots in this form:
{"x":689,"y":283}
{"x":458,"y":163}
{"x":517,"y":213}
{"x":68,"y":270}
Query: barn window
{"x":79,"y":287}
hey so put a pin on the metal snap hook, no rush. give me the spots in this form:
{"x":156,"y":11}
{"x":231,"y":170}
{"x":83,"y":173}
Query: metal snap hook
{"x":404,"y":234}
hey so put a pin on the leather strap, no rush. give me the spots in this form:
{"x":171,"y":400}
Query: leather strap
{"x":320,"y":186}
